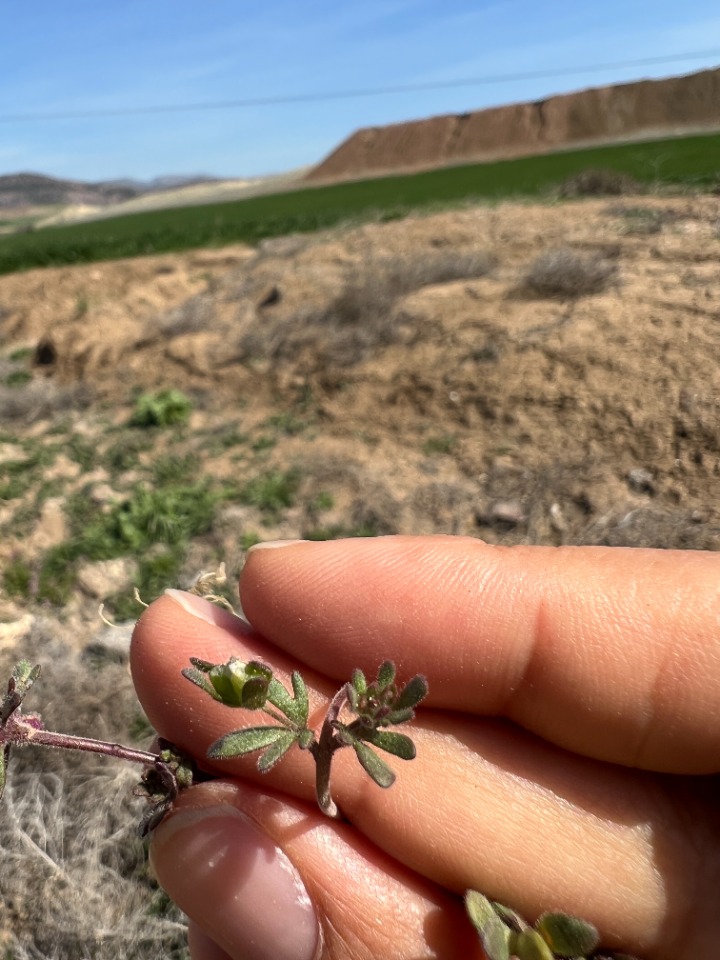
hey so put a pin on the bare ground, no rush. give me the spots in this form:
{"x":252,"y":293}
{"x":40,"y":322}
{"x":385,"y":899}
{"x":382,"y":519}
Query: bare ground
{"x":401,"y":398}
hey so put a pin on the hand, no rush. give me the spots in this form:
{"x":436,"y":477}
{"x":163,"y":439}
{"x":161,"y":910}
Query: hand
{"x":563,"y":758}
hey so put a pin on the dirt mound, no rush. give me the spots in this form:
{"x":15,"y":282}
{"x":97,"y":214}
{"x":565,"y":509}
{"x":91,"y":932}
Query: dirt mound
{"x":604,"y":114}
{"x":526,"y":374}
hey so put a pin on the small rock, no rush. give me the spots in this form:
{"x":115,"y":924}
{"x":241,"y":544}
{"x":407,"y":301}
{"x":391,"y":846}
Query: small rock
{"x":51,"y":528}
{"x":269,"y":296}
{"x":641,"y":480}
{"x":503,"y":513}
{"x":557,"y":520}
{"x":106,"y":577}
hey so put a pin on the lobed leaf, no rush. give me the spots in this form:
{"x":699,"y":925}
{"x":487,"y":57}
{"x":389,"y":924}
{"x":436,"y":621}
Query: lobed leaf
{"x":374,"y":766}
{"x":395,"y":743}
{"x":240,"y":742}
{"x":201,"y":680}
{"x":567,"y":936}
{"x":277,"y":751}
{"x":301,"y":704}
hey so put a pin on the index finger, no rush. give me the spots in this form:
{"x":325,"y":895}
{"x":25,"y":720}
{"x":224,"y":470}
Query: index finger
{"x":613,"y":653}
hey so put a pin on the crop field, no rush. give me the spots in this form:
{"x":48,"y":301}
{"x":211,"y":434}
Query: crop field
{"x":690,"y":162}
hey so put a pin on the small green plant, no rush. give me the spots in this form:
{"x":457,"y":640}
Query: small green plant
{"x":504,"y":934}
{"x":18,"y":378}
{"x":252,"y":686}
{"x":164,"y":408}
{"x":375,"y":705}
{"x":438,"y":446}
{"x":17,"y":578}
{"x":272,"y":492}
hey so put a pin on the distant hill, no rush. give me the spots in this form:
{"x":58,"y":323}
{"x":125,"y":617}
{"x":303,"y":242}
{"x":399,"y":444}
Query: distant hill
{"x":36,"y":190}
{"x":641,"y":110}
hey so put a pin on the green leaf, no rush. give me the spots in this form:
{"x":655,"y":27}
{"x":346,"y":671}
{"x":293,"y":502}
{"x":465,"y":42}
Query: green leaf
{"x":301,"y":705}
{"x":277,"y":751}
{"x":395,"y":743}
{"x":240,"y":742}
{"x":202,"y":681}
{"x":567,"y":936}
{"x":494,"y":935}
{"x":510,"y":918}
{"x":374,"y":766}
{"x":296,"y":710}
{"x":359,"y":682}
{"x":412,"y":693}
{"x":529,"y":945}
{"x":25,"y":674}
{"x":386,"y":674}
{"x":396,"y":717}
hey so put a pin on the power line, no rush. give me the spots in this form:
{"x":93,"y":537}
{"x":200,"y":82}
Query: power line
{"x":351,"y":94}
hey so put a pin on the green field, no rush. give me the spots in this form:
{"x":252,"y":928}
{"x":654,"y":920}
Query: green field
{"x":688,"y":161}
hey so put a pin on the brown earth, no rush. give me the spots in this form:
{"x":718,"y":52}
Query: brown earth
{"x":644,"y":109}
{"x":401,"y":399}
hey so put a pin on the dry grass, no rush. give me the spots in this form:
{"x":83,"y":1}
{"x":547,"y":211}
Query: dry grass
{"x":365,"y":316}
{"x":564,"y":273}
{"x":73,"y":881}
{"x":599,"y":183}
{"x":40,"y":398}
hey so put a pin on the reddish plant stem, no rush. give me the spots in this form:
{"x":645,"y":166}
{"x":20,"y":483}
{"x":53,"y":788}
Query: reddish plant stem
{"x":18,"y":731}
{"x":323,"y":752}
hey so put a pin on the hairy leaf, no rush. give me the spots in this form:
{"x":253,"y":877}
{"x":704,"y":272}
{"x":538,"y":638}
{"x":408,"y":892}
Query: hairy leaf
{"x":201,"y":680}
{"x":277,"y":751}
{"x":395,"y":743}
{"x":359,"y":682}
{"x":567,"y":936}
{"x":494,"y":935}
{"x":236,"y":684}
{"x":374,"y":766}
{"x":240,"y":742}
{"x":386,"y":674}
{"x":529,"y":945}
{"x":412,"y":693}
{"x":301,"y":704}
{"x":510,"y":918}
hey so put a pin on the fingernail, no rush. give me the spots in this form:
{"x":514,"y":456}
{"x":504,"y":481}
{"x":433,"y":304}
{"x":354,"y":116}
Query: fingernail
{"x":209,"y":612}
{"x":273,"y":545}
{"x":236,"y":884}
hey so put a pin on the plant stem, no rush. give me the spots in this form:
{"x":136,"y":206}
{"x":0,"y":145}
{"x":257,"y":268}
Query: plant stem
{"x":323,"y":753}
{"x":20,"y":732}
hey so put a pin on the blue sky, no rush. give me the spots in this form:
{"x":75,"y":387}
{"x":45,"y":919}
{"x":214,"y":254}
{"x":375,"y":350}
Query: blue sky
{"x":92,"y":55}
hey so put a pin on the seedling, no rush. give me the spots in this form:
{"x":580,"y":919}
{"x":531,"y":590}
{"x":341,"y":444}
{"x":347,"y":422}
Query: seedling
{"x":504,"y":934}
{"x":250,"y":685}
{"x":376,"y":705}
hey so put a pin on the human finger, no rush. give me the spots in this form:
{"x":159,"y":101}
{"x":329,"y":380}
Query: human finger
{"x":485,"y":804}
{"x":266,"y":878}
{"x":613,"y":653}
